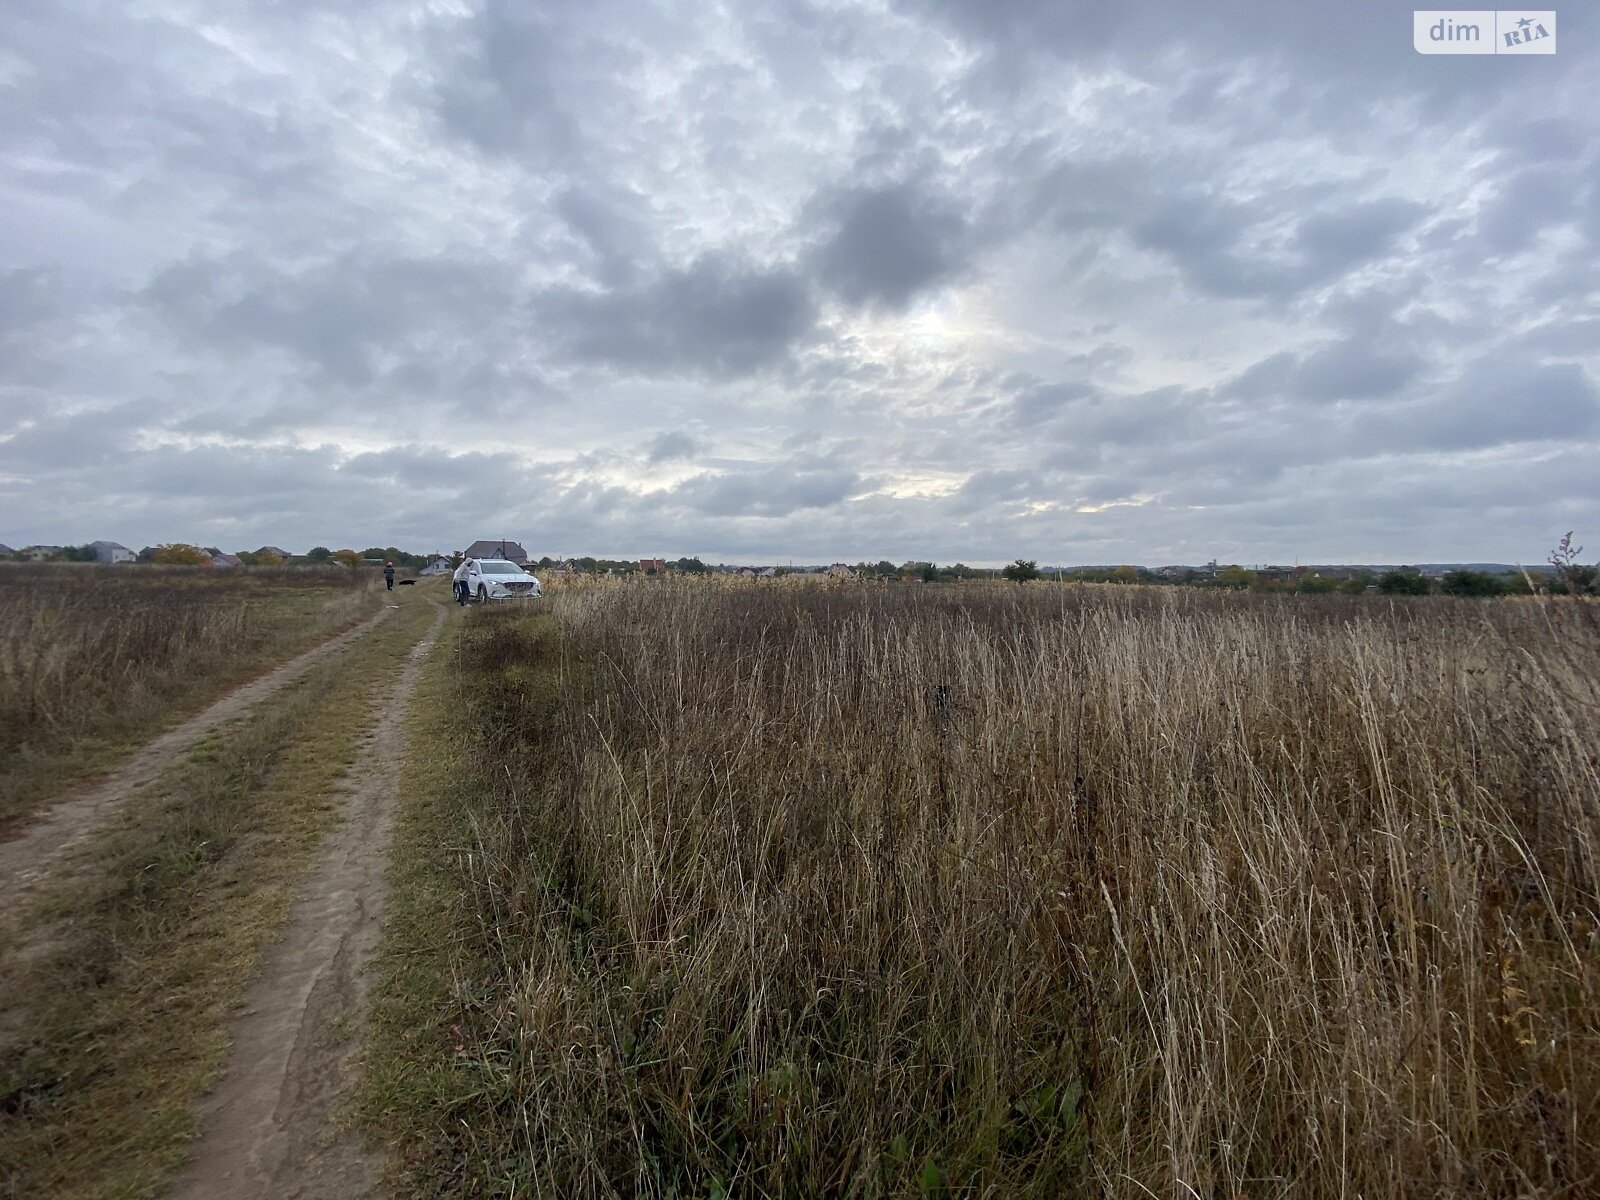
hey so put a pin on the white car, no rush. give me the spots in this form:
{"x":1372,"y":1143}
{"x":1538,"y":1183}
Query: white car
{"x":495,"y":579}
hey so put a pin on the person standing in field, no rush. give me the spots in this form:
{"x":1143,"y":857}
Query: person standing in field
{"x":388,"y":575}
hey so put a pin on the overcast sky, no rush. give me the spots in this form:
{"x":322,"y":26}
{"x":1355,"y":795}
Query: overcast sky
{"x":794,"y":280}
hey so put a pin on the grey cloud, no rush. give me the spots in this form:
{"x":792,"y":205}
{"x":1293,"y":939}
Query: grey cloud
{"x":337,"y":316}
{"x":993,"y":486}
{"x":83,"y":439}
{"x":713,"y":317}
{"x":1542,"y":139}
{"x":1527,"y":203}
{"x":1355,"y":49}
{"x":1335,"y":240}
{"x":1045,"y":402}
{"x":418,"y":466}
{"x":1352,"y":369}
{"x":618,"y":244}
{"x":885,"y":245}
{"x":1090,"y":194}
{"x":675,"y":446}
{"x":769,"y":492}
{"x":249,"y":478}
{"x":1080,"y":415}
{"x":1564,"y":338}
{"x":1207,"y":239}
{"x":1494,"y":402}
{"x":28,"y":296}
{"x":504,"y":91}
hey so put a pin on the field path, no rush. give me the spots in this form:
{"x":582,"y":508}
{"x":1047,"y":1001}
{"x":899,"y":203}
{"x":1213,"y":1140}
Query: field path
{"x":268,"y":1129}
{"x":81,"y":810}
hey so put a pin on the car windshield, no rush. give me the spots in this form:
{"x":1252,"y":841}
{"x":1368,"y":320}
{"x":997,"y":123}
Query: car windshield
{"x":501,"y":568}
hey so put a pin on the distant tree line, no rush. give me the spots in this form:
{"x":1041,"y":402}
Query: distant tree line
{"x":187,"y":554}
{"x":1564,"y":574}
{"x":589,"y":565}
{"x":1397,"y":581}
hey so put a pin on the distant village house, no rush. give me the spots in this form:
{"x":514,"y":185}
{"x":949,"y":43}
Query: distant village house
{"x":112,"y":552}
{"x":498,"y":548}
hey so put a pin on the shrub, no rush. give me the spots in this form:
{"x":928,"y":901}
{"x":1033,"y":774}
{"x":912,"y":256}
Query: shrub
{"x":1473,"y":583}
{"x":1404,"y":581}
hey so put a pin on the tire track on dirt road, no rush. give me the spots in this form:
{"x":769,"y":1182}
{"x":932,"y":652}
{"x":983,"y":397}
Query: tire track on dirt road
{"x":269,"y":1127}
{"x":78,"y":812}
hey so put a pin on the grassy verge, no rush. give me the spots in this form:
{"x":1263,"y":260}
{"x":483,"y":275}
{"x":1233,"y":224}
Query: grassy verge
{"x":94,"y":661}
{"x":120,"y":977}
{"x":416,"y":1081}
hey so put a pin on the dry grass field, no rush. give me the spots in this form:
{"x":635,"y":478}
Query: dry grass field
{"x":1001,"y":891}
{"x":92,"y":659}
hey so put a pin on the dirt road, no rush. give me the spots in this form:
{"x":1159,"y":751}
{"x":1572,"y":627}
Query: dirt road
{"x":28,"y":856}
{"x":268,"y":1129}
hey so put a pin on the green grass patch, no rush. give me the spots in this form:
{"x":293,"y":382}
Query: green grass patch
{"x":415,"y":1083}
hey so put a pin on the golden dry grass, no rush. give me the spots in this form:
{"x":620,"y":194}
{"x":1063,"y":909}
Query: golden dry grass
{"x":1012,"y":891}
{"x":93,"y":659}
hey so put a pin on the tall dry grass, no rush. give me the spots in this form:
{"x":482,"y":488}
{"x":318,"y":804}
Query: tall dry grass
{"x":92,"y":652}
{"x":1032,"y":891}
